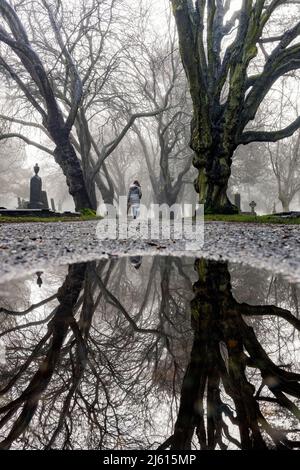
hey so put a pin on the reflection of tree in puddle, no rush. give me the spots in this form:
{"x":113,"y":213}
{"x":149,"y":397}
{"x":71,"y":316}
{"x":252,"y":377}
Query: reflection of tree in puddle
{"x":103,"y":368}
{"x":57,"y":329}
{"x":224,"y":347}
{"x":84,"y":376}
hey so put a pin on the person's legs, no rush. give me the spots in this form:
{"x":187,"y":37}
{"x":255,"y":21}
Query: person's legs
{"x":135,"y":210}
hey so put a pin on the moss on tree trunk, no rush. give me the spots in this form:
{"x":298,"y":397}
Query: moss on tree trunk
{"x":211,"y":184}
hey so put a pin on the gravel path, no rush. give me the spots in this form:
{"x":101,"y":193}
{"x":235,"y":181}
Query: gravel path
{"x":27,"y":248}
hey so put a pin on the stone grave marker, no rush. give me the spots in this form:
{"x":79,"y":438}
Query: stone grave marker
{"x":36,"y":190}
{"x":237,"y":201}
{"x":253,"y":205}
{"x":45,"y":200}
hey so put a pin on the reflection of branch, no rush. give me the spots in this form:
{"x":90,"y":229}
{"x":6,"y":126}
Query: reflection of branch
{"x":165,"y":445}
{"x":27,"y":325}
{"x":264,"y":363}
{"x":217,"y":318}
{"x":120,"y":307}
{"x":57,"y":329}
{"x":268,"y":310}
{"x":30,"y":309}
{"x":23,"y":368}
{"x":78,"y":371}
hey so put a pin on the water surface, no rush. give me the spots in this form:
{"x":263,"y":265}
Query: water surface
{"x":148,"y":353}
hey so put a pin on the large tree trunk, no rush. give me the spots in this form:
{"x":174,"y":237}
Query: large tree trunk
{"x":216,"y":319}
{"x":107,"y":193}
{"x":214,"y":170}
{"x":165,"y":197}
{"x":91,"y":189}
{"x":285,"y":202}
{"x":66,"y":158}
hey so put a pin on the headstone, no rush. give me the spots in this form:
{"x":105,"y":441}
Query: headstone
{"x":253,"y":205}
{"x":45,"y":200}
{"x":22,"y":204}
{"x":36,"y":190}
{"x":237,"y":201}
{"x":53,"y":205}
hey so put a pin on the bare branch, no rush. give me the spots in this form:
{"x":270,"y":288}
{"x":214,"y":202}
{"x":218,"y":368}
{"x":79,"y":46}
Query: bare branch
{"x":28,"y":141}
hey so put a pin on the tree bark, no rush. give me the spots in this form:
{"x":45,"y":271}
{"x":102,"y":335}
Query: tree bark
{"x":213,"y":153}
{"x":65,"y":156}
{"x":214,"y":171}
{"x":285,"y":203}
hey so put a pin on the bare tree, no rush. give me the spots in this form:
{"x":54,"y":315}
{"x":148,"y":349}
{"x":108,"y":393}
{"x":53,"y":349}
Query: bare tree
{"x":80,"y":76}
{"x":285,"y":155}
{"x":43,"y":97}
{"x":226,"y":94}
{"x":285,"y":160}
{"x":163,"y":139}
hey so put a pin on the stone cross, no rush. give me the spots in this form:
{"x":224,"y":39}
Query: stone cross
{"x":253,"y":205}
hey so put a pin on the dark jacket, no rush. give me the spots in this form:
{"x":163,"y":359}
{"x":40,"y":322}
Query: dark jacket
{"x":134,"y":194}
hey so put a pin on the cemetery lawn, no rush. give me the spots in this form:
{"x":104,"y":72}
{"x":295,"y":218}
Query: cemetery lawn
{"x":256,"y":219}
{"x":17,"y":220}
{"x":240,"y":218}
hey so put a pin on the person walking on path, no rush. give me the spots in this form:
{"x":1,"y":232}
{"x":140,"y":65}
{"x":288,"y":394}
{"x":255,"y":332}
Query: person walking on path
{"x":134,"y":198}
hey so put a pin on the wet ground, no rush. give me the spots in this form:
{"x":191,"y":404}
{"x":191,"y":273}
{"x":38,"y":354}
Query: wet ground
{"x":28,"y":247}
{"x":152,"y":352}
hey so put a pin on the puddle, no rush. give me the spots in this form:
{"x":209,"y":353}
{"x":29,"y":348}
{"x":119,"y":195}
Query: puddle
{"x":148,"y":353}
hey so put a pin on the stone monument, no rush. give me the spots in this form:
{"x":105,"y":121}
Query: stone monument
{"x":36,"y":190}
{"x":237,"y":201}
{"x":45,"y":200}
{"x":253,"y":205}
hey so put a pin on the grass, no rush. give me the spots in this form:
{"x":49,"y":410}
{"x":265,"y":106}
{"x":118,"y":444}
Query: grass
{"x":17,"y":220}
{"x":259,"y":219}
